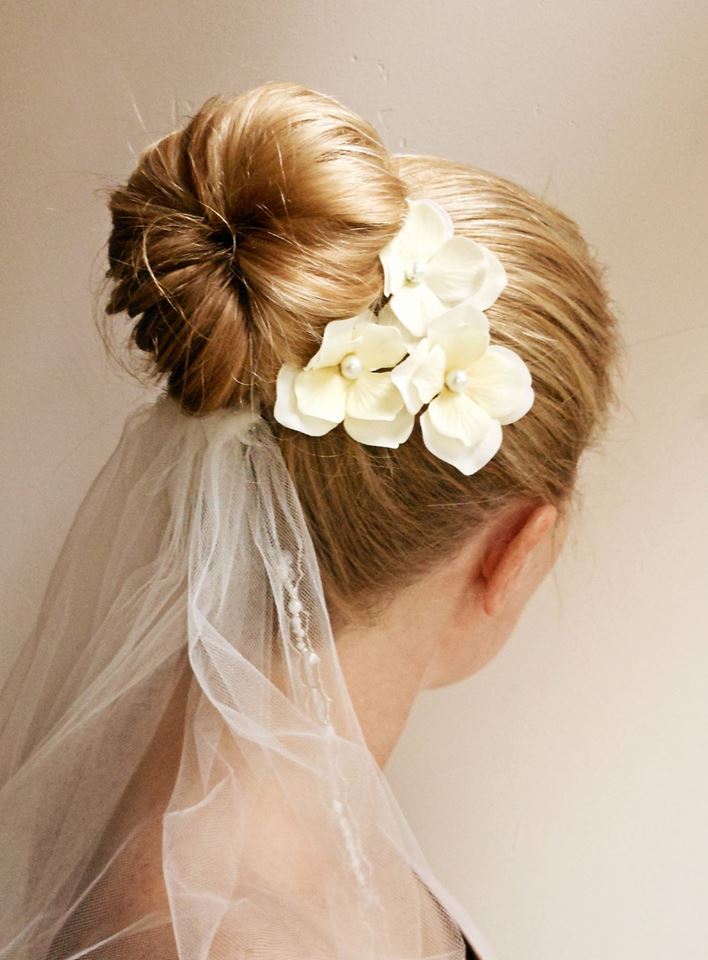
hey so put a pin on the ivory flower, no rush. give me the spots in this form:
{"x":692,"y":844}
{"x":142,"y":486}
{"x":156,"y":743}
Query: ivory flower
{"x":421,"y":376}
{"x":472,"y":388}
{"x":427,"y":269}
{"x":426,"y":347}
{"x":348,"y":381}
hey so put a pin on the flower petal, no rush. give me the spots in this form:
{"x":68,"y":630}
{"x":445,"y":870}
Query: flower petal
{"x":494,"y":281}
{"x":426,"y":228}
{"x":338,"y":340}
{"x":500,"y":382}
{"x":421,"y":375}
{"x":465,"y":314}
{"x":381,"y":346}
{"x":416,"y":306}
{"x":463,"y":347}
{"x":381,"y":433}
{"x":373,"y":396}
{"x":468,"y":460}
{"x":387,"y":318}
{"x":458,"y":270}
{"x":457,"y":415}
{"x":286,"y":410}
{"x":394,"y":269}
{"x":321,"y":393}
{"x":463,"y":333}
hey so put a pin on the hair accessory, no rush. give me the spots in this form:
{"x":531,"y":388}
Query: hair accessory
{"x":428,"y":346}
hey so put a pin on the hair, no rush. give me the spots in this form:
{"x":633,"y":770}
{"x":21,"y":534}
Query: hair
{"x":241,"y":235}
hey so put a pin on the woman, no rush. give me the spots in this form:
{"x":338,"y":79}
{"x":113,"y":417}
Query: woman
{"x":380,"y":374}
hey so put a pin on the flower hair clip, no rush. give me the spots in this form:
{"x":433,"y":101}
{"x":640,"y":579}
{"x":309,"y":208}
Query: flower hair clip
{"x":427,"y":347}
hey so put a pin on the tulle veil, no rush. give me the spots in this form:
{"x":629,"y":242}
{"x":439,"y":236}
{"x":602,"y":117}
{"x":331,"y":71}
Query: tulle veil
{"x":182,"y":774}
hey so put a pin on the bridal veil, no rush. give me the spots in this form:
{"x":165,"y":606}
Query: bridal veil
{"x":186,"y":612}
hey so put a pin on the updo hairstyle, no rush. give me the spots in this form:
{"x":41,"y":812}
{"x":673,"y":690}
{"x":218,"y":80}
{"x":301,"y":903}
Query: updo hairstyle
{"x":241,"y":235}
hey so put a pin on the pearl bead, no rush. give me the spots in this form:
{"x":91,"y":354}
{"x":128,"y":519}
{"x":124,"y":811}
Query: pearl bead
{"x":416,"y":270}
{"x":295,"y":606}
{"x":457,"y":381}
{"x":312,"y":658}
{"x":351,"y":367}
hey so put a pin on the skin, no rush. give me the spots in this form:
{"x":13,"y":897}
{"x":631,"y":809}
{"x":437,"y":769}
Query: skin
{"x":451,"y":622}
{"x":444,"y":627}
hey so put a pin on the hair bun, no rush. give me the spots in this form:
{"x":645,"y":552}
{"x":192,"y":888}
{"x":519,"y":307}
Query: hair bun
{"x":238,"y":237}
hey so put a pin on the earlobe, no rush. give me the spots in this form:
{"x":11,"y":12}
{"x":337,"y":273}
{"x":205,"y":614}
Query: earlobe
{"x":501,"y":583}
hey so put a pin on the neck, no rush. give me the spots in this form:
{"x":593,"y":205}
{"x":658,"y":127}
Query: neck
{"x":427,"y":636}
{"x":385,"y":666}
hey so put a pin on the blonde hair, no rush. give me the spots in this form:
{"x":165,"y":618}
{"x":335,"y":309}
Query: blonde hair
{"x":237,"y":239}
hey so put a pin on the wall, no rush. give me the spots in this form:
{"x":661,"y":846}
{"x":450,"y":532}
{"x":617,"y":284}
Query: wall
{"x":561,"y":793}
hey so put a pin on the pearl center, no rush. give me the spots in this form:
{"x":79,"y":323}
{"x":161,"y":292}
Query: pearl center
{"x":457,"y":381}
{"x":415,"y":271}
{"x":351,"y":367}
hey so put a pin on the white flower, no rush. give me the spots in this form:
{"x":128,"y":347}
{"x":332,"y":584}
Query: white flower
{"x":427,"y":269}
{"x":421,"y":376}
{"x":347,"y":382}
{"x":472,"y":388}
{"x":427,"y":347}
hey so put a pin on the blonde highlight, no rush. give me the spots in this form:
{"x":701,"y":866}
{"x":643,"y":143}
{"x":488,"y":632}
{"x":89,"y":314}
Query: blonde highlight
{"x":237,"y":239}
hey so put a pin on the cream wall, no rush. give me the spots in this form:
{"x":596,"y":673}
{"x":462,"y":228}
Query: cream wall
{"x":561,"y":793}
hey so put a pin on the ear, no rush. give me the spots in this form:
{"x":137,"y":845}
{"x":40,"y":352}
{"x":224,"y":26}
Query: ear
{"x":512,"y":544}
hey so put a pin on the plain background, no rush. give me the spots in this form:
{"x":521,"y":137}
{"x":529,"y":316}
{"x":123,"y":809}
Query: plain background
{"x":562,"y":792}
